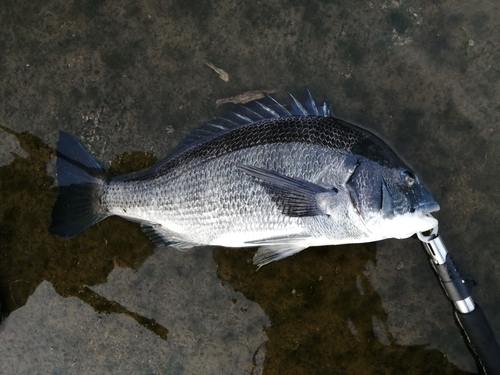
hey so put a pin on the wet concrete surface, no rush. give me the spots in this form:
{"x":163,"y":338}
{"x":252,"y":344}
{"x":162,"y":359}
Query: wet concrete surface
{"x":130,"y":76}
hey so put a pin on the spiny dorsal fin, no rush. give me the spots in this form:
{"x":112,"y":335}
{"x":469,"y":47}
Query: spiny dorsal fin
{"x":248,"y":113}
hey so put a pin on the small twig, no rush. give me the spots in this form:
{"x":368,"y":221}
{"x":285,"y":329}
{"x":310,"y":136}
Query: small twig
{"x":470,"y":42}
{"x":222,"y":74}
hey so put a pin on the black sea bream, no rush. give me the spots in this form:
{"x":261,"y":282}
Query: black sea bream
{"x":281,"y":177}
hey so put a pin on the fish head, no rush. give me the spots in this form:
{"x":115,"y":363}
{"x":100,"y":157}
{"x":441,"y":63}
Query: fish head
{"x":391,"y":200}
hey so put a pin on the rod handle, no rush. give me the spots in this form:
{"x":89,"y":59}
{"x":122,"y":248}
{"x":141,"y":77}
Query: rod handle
{"x":481,"y":339}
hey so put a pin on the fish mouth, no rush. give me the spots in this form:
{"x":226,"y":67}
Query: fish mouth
{"x":428,"y":208}
{"x":424,"y":212}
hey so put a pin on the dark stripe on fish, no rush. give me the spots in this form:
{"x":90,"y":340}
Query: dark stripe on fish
{"x":327,"y":132}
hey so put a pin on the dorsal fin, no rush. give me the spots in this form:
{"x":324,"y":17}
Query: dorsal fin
{"x":245,"y":114}
{"x":310,"y":104}
{"x":297,"y":108}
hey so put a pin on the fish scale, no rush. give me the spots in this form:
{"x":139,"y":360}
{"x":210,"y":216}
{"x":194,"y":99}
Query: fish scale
{"x":280,"y":177}
{"x":186,"y":196}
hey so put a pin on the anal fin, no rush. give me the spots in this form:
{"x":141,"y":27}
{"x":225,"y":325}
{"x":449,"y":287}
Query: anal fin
{"x":163,"y":238}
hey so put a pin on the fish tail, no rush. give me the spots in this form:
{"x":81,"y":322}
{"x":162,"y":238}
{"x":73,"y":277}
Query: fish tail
{"x":81,"y":180}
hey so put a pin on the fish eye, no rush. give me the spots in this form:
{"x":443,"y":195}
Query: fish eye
{"x":408,"y":177}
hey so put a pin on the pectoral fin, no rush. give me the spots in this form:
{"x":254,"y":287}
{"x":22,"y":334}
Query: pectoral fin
{"x":295,"y":197}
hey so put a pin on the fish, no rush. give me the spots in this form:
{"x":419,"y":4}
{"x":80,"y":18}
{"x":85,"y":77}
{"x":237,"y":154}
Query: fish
{"x":280,"y":177}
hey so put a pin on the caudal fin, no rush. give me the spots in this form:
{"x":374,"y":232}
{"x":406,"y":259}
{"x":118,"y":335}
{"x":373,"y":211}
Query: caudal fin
{"x":81,"y":180}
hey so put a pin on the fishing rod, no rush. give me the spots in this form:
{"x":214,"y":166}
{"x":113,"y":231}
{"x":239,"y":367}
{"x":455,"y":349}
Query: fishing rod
{"x":470,"y":316}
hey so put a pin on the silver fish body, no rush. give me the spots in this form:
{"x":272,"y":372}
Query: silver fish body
{"x":283,"y":178}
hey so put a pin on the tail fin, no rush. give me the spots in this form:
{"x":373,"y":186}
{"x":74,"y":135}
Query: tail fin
{"x":81,"y":181}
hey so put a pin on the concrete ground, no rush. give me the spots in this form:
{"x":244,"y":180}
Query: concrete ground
{"x":130,"y":79}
